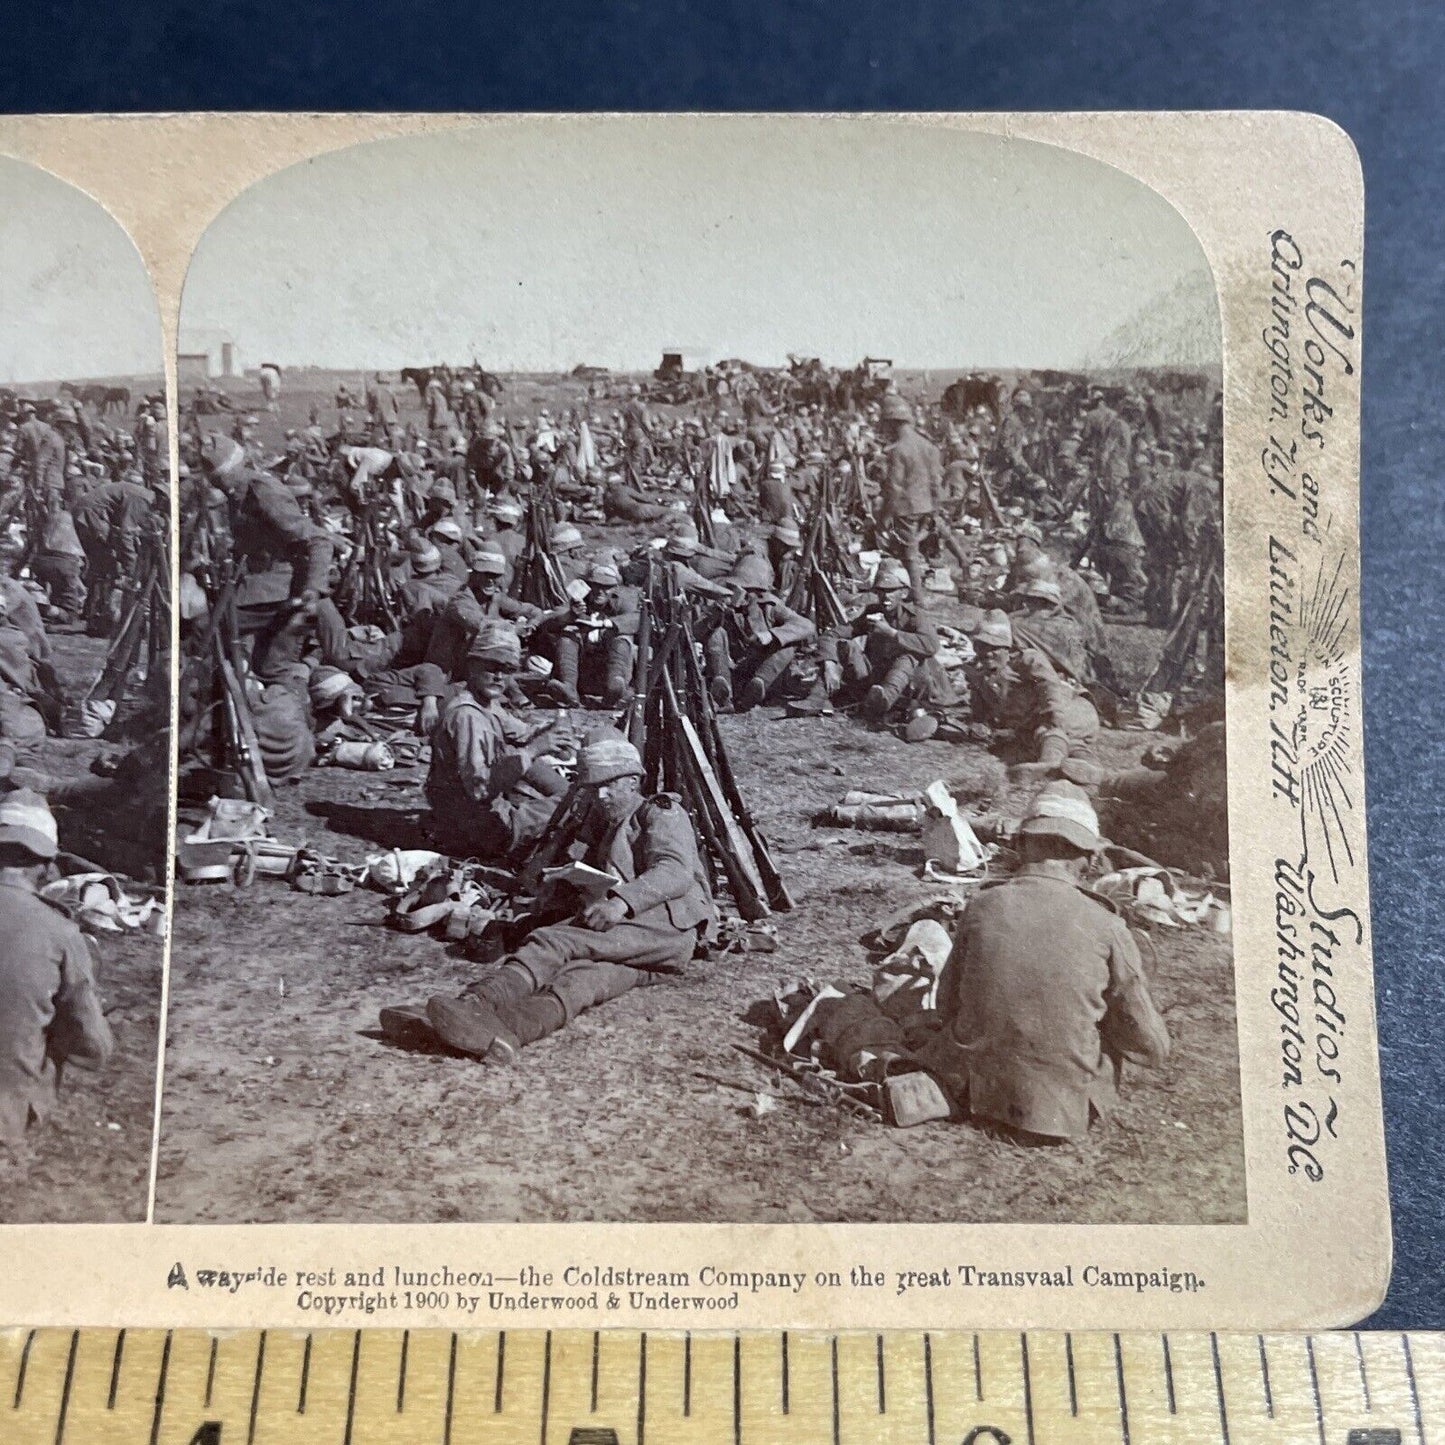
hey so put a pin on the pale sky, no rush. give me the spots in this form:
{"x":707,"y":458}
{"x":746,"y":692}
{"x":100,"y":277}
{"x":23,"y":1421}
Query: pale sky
{"x":75,"y":300}
{"x":536,"y":245}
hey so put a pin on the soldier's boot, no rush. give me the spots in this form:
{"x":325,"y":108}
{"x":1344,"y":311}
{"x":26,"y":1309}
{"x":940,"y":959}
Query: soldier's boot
{"x":470,"y":1024}
{"x":721,"y":690}
{"x":883,"y":696}
{"x":562,"y":685}
{"x":766,"y":676}
{"x":526,"y":1021}
{"x":617,"y":684}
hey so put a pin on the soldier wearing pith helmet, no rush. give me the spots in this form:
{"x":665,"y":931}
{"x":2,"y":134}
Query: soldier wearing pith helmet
{"x":1044,"y":991}
{"x":636,"y":930}
{"x":50,"y":1010}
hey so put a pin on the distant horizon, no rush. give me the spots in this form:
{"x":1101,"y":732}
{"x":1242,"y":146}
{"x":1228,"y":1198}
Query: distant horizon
{"x":544,"y":243}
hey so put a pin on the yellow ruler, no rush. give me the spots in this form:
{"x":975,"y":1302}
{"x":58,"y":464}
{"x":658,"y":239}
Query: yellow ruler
{"x":395,"y":1387}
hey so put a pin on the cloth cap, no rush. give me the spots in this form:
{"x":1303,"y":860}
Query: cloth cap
{"x":425,"y":559}
{"x":328,"y":685}
{"x":753,"y":571}
{"x":495,"y":642}
{"x":566,"y":536}
{"x":26,"y":821}
{"x":490,"y":564}
{"x":895,"y":408}
{"x":1044,"y":590}
{"x":603,"y":574}
{"x":449,"y":528}
{"x":1063,"y":810}
{"x":891,"y":577}
{"x":607,"y":757}
{"x":994,"y":630}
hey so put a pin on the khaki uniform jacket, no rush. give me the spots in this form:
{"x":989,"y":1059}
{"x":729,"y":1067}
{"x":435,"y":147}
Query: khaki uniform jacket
{"x":270,"y":531}
{"x":1045,"y":994}
{"x":914,"y":478}
{"x":655,"y":854}
{"x":50,"y":1013}
{"x":476,"y":757}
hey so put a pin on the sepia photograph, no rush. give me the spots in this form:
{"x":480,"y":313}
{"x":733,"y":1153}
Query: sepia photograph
{"x":85,"y":704}
{"x":701,"y":684}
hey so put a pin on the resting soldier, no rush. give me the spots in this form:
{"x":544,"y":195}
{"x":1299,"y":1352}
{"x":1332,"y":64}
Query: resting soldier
{"x":1016,"y":688}
{"x":646,"y":926}
{"x":1044,"y":992}
{"x":754,"y":641}
{"x":50,"y":1014}
{"x":594,"y":653}
{"x":489,"y":799}
{"x":881,"y":649}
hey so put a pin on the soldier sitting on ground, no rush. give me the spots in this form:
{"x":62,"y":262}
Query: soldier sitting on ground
{"x":1044,"y":992}
{"x":491,"y":793}
{"x":50,"y":1013}
{"x":754,"y":641}
{"x":877,"y":654}
{"x":1017,"y":689}
{"x":645,"y":927}
{"x":594,"y":653}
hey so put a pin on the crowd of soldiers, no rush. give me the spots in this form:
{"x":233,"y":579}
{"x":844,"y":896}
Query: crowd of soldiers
{"x":484,"y":578}
{"x":84,"y":508}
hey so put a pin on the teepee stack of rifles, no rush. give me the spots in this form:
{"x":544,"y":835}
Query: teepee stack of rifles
{"x":141,"y":638}
{"x":539,"y":578}
{"x":218,"y":731}
{"x":367,"y":588}
{"x":824,"y":561}
{"x":673,"y":724}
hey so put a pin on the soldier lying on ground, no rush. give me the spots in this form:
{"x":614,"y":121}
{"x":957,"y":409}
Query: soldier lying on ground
{"x":1017,"y":689}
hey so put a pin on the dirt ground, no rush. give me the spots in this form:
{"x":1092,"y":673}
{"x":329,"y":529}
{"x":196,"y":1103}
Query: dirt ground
{"x":90,"y":1161}
{"x":283,"y":1102}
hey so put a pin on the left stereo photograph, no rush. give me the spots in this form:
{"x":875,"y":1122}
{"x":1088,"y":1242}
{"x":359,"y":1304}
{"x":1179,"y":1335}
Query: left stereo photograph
{"x":85,"y":705}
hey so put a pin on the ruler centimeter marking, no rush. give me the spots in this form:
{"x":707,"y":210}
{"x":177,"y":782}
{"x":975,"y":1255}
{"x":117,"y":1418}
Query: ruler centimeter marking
{"x":418,"y":1387}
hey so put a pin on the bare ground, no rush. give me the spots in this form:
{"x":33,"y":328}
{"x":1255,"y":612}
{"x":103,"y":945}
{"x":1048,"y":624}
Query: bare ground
{"x":282,"y":1102}
{"x":90,"y":1161}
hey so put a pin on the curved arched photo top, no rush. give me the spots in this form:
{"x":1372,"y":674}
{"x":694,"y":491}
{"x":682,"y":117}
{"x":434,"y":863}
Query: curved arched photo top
{"x":76,"y":302}
{"x":540,"y":244}
{"x":808,"y":452}
{"x":84,"y":717}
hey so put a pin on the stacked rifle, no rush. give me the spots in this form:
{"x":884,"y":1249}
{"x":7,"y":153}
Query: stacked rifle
{"x":823,"y":561}
{"x":218,"y":731}
{"x":673,"y":724}
{"x":141,"y":638}
{"x":538,"y":577}
{"x":365,"y":592}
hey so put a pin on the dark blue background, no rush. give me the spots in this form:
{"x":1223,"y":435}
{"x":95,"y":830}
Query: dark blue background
{"x":1375,"y":69}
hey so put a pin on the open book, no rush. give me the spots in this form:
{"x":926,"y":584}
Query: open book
{"x":594,"y":882}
